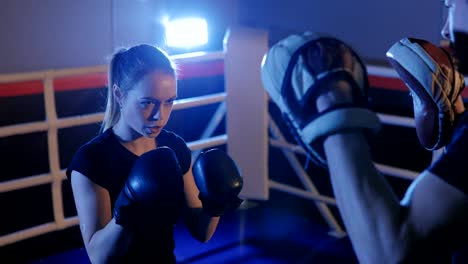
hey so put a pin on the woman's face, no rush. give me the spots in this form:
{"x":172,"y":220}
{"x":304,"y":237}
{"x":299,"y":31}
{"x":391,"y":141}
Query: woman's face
{"x":147,"y":107}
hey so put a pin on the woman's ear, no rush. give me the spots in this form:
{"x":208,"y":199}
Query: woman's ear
{"x":118,"y":95}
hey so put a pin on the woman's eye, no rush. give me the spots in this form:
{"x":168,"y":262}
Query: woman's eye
{"x":145,"y":104}
{"x":169,"y":102}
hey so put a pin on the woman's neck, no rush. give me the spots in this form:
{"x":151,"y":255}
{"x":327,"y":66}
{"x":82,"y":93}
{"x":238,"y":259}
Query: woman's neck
{"x":134,"y":142}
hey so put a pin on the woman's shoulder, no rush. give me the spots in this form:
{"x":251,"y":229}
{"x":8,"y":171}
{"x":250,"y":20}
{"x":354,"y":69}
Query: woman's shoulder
{"x":99,"y":142}
{"x":168,"y":138}
{"x":89,"y":153}
{"x":94,"y":148}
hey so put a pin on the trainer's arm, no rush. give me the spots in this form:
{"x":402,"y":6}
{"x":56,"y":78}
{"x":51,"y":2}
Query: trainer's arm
{"x":381,"y":229}
{"x":200,"y":225}
{"x":103,"y":238}
{"x":370,"y":209}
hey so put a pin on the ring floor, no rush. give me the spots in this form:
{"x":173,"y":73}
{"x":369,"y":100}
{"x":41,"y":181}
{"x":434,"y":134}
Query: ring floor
{"x":259,"y":233}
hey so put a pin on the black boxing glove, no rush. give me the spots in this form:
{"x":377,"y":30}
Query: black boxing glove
{"x":153,"y":193}
{"x":219,"y":181}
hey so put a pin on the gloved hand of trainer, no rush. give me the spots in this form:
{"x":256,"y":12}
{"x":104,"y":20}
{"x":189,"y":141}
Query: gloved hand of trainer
{"x":300,"y":68}
{"x":153,"y":194}
{"x":435,"y":84}
{"x":218,"y":180}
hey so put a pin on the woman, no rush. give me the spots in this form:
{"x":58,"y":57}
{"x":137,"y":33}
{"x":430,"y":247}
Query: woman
{"x":142,"y":88}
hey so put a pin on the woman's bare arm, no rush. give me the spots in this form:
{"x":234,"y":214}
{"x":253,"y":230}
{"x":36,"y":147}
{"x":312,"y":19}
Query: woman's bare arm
{"x":103,"y":238}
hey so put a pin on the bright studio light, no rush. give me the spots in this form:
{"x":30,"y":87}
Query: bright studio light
{"x":186,"y":33}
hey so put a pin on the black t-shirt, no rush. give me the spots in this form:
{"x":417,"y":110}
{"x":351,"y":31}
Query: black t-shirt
{"x":107,"y":163}
{"x":452,"y":166}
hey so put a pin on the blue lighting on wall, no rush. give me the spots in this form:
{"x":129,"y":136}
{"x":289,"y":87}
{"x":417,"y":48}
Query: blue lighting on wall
{"x":186,"y":33}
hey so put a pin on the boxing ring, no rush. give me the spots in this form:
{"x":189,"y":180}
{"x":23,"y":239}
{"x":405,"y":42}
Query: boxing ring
{"x":250,"y":130}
